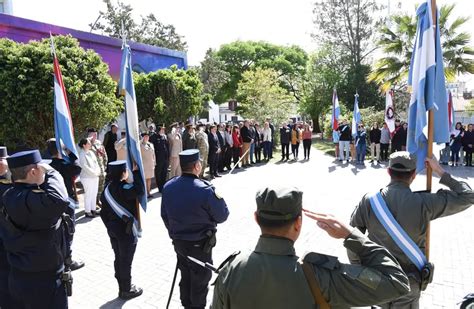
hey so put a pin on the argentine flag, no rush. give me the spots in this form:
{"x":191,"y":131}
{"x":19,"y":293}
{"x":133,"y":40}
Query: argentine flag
{"x":336,"y":110}
{"x":426,"y":78}
{"x":356,"y":117}
{"x":63,"y":128}
{"x":127,"y":89}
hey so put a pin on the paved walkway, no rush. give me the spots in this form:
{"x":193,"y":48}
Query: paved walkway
{"x":328,"y":187}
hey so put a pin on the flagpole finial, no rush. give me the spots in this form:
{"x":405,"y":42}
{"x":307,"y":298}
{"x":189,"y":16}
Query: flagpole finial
{"x":53,"y":50}
{"x":123,"y":34}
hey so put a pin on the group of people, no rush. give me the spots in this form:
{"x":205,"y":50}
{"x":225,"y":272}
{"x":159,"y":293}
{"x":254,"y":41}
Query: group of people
{"x":294,"y":134}
{"x":36,"y":235}
{"x":382,"y":142}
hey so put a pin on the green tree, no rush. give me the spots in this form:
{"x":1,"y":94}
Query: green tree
{"x":238,"y":57}
{"x":397,"y":43}
{"x":212,"y":73}
{"x":355,"y":80}
{"x":260,"y":96}
{"x":322,"y":75}
{"x":168,"y":95}
{"x":348,"y":26}
{"x":26,"y":90}
{"x":149,"y":31}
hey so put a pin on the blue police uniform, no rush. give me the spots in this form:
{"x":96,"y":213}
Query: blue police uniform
{"x":191,"y":210}
{"x":33,"y":234}
{"x":120,"y":229}
{"x":69,"y":171}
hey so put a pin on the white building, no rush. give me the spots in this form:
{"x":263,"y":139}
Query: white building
{"x":6,"y":7}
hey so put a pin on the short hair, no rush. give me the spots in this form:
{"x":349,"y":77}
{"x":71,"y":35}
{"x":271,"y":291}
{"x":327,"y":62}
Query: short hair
{"x":187,"y":167}
{"x":82,"y":142}
{"x":51,"y":146}
{"x":21,"y":172}
{"x":401,"y":175}
{"x":91,"y":130}
{"x":275,"y":224}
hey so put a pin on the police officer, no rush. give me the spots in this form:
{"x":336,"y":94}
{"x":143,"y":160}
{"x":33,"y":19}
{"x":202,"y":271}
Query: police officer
{"x":33,"y":232}
{"x":162,"y":154}
{"x":272,"y":277}
{"x":119,"y":216}
{"x":69,"y":169}
{"x":6,"y":301}
{"x":191,"y":210}
{"x":413,"y":211}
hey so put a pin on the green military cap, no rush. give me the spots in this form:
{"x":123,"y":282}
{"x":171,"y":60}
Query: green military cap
{"x":402,"y":161}
{"x":283,"y":203}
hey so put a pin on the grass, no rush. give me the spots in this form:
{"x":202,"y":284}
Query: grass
{"x":326,"y":146}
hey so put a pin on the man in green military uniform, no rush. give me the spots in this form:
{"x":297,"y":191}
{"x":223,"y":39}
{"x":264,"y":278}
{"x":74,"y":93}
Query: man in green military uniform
{"x":413,"y":211}
{"x":203,"y":146}
{"x":272,"y":277}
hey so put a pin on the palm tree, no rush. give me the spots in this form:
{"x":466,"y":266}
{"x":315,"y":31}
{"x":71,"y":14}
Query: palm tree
{"x":392,"y":70}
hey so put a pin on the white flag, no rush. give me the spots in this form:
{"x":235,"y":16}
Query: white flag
{"x":389,"y":112}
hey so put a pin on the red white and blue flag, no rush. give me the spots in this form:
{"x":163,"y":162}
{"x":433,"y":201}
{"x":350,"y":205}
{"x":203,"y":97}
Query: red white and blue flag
{"x":336,"y":110}
{"x":389,"y":111}
{"x":63,"y":128}
{"x":450,"y":112}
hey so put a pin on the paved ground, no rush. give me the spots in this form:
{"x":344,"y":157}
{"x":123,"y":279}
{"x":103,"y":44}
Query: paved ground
{"x":327,"y":187}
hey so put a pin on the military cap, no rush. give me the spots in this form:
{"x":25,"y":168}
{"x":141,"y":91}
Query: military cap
{"x":188,"y":156}
{"x":3,"y":152}
{"x":402,"y":161}
{"x":174,"y":124}
{"x":279,"y":203}
{"x":28,"y":157}
{"x":117,"y":167}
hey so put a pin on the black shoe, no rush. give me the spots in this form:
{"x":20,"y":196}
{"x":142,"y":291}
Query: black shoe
{"x":75,"y":265}
{"x":217,"y":175}
{"x":89,"y":215}
{"x":95,"y":212}
{"x":252,"y":162}
{"x":134,"y":292}
{"x":237,"y":168}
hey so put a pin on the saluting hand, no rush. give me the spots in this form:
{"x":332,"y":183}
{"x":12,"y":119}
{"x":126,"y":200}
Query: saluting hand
{"x":330,"y":224}
{"x":433,"y":163}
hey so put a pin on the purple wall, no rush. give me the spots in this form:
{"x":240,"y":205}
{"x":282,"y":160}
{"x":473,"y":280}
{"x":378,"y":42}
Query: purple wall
{"x":145,"y":58}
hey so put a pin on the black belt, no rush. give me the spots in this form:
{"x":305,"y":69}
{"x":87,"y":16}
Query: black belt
{"x":35,"y":274}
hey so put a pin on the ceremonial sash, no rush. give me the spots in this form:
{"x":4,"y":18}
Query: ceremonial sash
{"x":399,"y":236}
{"x":120,"y":211}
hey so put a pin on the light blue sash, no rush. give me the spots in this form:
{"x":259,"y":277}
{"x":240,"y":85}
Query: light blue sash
{"x":401,"y":238}
{"x":121,"y":211}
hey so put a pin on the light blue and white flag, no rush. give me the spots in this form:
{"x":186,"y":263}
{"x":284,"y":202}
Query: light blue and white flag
{"x":127,"y":89}
{"x":356,"y":117}
{"x":336,"y":111}
{"x":426,"y":78}
{"x":63,"y":129}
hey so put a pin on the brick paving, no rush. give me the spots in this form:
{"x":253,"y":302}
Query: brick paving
{"x":328,"y":187}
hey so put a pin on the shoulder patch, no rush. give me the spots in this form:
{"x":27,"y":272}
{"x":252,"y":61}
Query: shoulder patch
{"x":322,"y":260}
{"x":128,"y":186}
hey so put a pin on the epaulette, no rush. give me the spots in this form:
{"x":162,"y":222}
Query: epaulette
{"x":128,"y":186}
{"x":227,"y":261}
{"x":322,"y":260}
{"x":422,"y":191}
{"x":5,"y":182}
{"x":207,"y":182}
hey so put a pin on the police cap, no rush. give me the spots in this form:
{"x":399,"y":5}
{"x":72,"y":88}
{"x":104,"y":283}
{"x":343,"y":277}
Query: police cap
{"x":3,"y":152}
{"x":280,"y":203}
{"x":28,"y":157}
{"x":402,"y":161}
{"x":188,"y":156}
{"x":117,"y":168}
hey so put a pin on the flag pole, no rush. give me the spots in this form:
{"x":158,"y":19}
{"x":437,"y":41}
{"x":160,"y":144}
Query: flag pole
{"x":429,"y":171}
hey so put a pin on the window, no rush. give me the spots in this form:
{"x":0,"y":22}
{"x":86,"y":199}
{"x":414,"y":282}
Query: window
{"x":1,"y":7}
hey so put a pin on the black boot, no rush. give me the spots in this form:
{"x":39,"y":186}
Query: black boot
{"x":132,"y":293}
{"x":75,"y":265}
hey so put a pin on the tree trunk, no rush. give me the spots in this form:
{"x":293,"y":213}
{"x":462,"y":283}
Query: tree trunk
{"x":316,"y":126}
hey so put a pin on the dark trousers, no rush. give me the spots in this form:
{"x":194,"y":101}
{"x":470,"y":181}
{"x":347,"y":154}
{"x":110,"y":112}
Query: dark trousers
{"x":267,"y":150}
{"x":161,"y":170}
{"x":295,"y":149}
{"x":258,"y":153}
{"x":194,"y":278}
{"x":285,"y":151}
{"x":468,"y":156}
{"x":213,"y":163}
{"x":384,"y":152}
{"x":124,"y":248}
{"x":307,"y":147}
{"x":271,"y":149}
{"x":228,"y":157}
{"x":37,"y":291}
{"x":236,"y":154}
{"x":220,"y":159}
